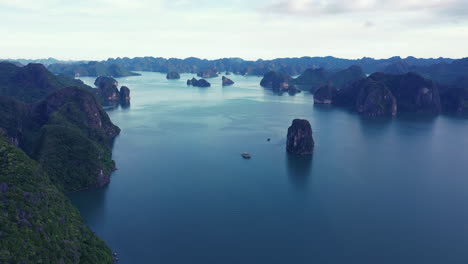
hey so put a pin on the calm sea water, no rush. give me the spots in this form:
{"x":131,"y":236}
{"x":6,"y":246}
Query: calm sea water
{"x":375,"y":191}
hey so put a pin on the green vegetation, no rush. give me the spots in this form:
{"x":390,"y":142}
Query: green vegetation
{"x":33,"y":82}
{"x":69,"y":134}
{"x":38,"y":224}
{"x":92,"y":68}
{"x":312,"y":79}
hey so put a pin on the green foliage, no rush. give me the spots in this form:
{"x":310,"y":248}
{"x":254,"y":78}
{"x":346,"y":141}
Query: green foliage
{"x":38,"y":224}
{"x":72,"y":143}
{"x":33,"y":82}
{"x":90,"y":69}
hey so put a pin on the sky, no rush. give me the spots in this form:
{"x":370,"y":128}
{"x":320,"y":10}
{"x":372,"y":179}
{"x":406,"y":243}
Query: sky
{"x":249,"y":29}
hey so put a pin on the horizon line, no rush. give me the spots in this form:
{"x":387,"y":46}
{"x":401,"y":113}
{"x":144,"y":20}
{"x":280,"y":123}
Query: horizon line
{"x":258,"y":59}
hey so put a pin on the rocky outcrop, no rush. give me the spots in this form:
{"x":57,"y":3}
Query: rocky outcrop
{"x":198,"y":83}
{"x":173,"y":76}
{"x":68,"y":133}
{"x":108,"y":93}
{"x":33,"y":82}
{"x":455,"y":99}
{"x":227,"y":81}
{"x":207,"y":74}
{"x":412,"y":92}
{"x":299,"y":138}
{"x":277,"y":81}
{"x":312,"y":79}
{"x":325,"y":94}
{"x":91,"y":115}
{"x":107,"y":89}
{"x":380,"y":92}
{"x":124,"y":95}
{"x":375,"y":99}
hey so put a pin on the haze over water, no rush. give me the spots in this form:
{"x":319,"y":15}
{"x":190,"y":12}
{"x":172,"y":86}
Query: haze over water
{"x":375,"y":191}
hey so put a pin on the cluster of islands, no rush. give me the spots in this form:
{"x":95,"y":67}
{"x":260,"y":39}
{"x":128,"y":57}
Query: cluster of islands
{"x":56,"y":137}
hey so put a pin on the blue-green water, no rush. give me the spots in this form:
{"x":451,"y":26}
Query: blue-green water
{"x":375,"y":191}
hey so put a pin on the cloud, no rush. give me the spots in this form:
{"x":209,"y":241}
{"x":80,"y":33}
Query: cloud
{"x":368,"y":24}
{"x":330,"y":7}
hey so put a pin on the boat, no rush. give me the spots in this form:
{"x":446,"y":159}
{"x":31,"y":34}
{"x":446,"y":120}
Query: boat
{"x":246,"y":155}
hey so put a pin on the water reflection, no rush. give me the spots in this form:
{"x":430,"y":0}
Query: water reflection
{"x":299,"y":169}
{"x":125,"y":105}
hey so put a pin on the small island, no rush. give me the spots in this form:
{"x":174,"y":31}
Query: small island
{"x":227,"y":81}
{"x":108,"y":93}
{"x":173,"y":76}
{"x":198,"y":83}
{"x":299,"y":138}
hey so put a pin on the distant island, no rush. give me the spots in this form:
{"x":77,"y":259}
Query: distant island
{"x":92,"y":69}
{"x":210,"y":68}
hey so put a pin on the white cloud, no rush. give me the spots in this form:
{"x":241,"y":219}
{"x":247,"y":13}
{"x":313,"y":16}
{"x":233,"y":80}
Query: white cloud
{"x":100,"y":29}
{"x":327,"y":7}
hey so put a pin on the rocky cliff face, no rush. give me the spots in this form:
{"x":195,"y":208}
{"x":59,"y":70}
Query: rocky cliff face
{"x":412,"y":92}
{"x":325,"y":94}
{"x":124,"y":96}
{"x":173,"y":76}
{"x":455,"y":99}
{"x":227,"y":81}
{"x":375,"y":99}
{"x":108,"y":93}
{"x":68,"y":133}
{"x":276,"y":80}
{"x":107,"y":89}
{"x":385,"y":94}
{"x":89,"y":113}
{"x":299,"y":138}
{"x":312,"y":79}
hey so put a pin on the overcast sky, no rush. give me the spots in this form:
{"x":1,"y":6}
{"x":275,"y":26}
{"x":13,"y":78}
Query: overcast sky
{"x":250,"y":29}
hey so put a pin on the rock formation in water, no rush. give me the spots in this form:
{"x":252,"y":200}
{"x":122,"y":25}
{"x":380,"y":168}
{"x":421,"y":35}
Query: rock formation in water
{"x":107,"y":88}
{"x":324,"y":94}
{"x":173,"y":75}
{"x":375,"y":99}
{"x":198,"y":83}
{"x":227,"y":81}
{"x":279,"y":83}
{"x":108,"y":93}
{"x":299,"y":138}
{"x":454,"y":99}
{"x":124,"y":96}
{"x":276,"y":80}
{"x":207,"y":74}
{"x":378,"y":94}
